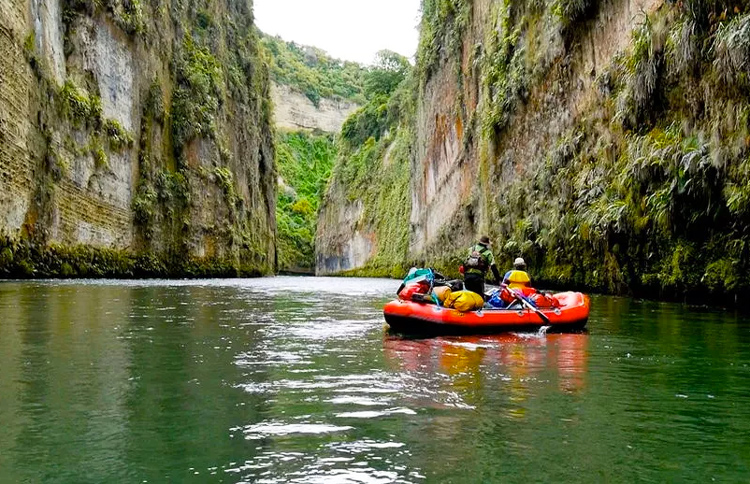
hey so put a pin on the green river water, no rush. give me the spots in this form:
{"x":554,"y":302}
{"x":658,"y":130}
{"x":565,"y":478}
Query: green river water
{"x":294,"y":380}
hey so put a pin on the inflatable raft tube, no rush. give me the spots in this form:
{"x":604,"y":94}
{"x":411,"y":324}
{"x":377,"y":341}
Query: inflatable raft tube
{"x":410,"y":317}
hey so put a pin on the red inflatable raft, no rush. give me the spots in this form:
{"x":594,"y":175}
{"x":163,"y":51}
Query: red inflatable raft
{"x":412,"y":317}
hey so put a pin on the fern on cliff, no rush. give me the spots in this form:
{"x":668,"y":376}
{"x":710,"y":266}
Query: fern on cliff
{"x":199,"y":93}
{"x":444,"y":23}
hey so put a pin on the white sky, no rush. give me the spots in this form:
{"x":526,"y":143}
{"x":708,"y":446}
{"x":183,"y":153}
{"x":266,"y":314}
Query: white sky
{"x":346,"y":29}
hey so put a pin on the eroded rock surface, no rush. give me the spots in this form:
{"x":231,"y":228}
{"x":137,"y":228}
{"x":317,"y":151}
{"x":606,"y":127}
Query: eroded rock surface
{"x":295,"y":111}
{"x":137,"y":128}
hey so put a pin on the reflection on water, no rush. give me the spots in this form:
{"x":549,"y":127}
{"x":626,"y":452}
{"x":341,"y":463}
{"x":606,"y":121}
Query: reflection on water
{"x":293,"y":380}
{"x":520,"y":362}
{"x":519,"y":356}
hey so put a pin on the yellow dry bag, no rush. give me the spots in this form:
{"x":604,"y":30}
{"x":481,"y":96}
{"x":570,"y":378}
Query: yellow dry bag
{"x":464,"y":301}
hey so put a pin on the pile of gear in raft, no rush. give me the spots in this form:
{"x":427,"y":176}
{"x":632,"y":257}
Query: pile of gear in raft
{"x":430,"y":287}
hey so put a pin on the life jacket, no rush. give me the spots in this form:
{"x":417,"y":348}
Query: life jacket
{"x":478,"y":261}
{"x":517,"y":279}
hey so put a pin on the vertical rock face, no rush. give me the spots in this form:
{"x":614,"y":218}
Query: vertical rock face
{"x":110,"y":58}
{"x":46,"y":16}
{"x":349,"y":250}
{"x":606,"y":141}
{"x":457,"y":166}
{"x":295,"y":111}
{"x":363,"y":221}
{"x":137,"y":128}
{"x":16,"y":120}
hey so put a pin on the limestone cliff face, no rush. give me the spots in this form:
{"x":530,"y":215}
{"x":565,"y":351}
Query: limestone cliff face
{"x":141,"y":129}
{"x":346,"y":246}
{"x":294,"y":111}
{"x":457,"y":166}
{"x":605,"y":141}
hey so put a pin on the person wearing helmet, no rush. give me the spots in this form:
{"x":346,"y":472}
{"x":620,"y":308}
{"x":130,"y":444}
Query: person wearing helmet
{"x":479,"y":261}
{"x":517,"y":278}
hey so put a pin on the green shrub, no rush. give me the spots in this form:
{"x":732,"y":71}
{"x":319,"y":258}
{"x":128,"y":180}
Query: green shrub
{"x":118,"y":137}
{"x":444,"y":23}
{"x":198,"y":95}
{"x":126,"y":14}
{"x":144,"y":204}
{"x":732,"y":47}
{"x":81,"y":108}
{"x":388,"y":72}
{"x":225,"y":180}
{"x":101,"y":160}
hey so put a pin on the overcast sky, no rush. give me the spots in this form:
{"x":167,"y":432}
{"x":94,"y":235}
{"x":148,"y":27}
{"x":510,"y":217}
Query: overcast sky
{"x":346,"y":29}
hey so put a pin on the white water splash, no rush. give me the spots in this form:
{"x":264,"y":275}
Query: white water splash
{"x":543,"y":331}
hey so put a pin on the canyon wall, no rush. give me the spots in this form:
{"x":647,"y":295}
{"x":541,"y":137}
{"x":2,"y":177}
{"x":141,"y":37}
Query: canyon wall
{"x":135,"y":139}
{"x":293,"y":111}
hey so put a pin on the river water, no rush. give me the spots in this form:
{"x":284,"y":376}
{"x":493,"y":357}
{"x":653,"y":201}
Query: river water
{"x":294,"y":380}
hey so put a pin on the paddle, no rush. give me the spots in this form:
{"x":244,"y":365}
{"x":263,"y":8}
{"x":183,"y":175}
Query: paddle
{"x":525,"y":302}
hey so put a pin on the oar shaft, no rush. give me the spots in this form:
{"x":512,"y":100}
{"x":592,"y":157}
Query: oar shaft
{"x":526,"y":303}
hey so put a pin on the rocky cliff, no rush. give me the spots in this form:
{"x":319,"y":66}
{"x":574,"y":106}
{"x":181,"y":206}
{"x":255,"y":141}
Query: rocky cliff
{"x":293,"y":111}
{"x":135,"y":139}
{"x":310,"y":89}
{"x":605,"y":141}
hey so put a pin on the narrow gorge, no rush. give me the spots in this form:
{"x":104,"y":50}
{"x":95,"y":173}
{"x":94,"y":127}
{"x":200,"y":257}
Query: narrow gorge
{"x":313,"y":94}
{"x":605,"y":141}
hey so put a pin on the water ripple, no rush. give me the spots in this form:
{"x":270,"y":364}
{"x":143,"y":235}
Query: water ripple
{"x":261,"y":430}
{"x":293,"y":380}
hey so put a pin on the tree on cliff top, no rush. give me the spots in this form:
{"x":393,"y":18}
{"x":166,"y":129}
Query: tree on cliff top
{"x":312,"y":72}
{"x":388,"y":71}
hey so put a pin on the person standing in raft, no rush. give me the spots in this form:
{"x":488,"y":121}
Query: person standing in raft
{"x":518,"y":278}
{"x":475,"y":268}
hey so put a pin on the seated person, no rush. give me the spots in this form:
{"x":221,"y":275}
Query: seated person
{"x":518,"y":278}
